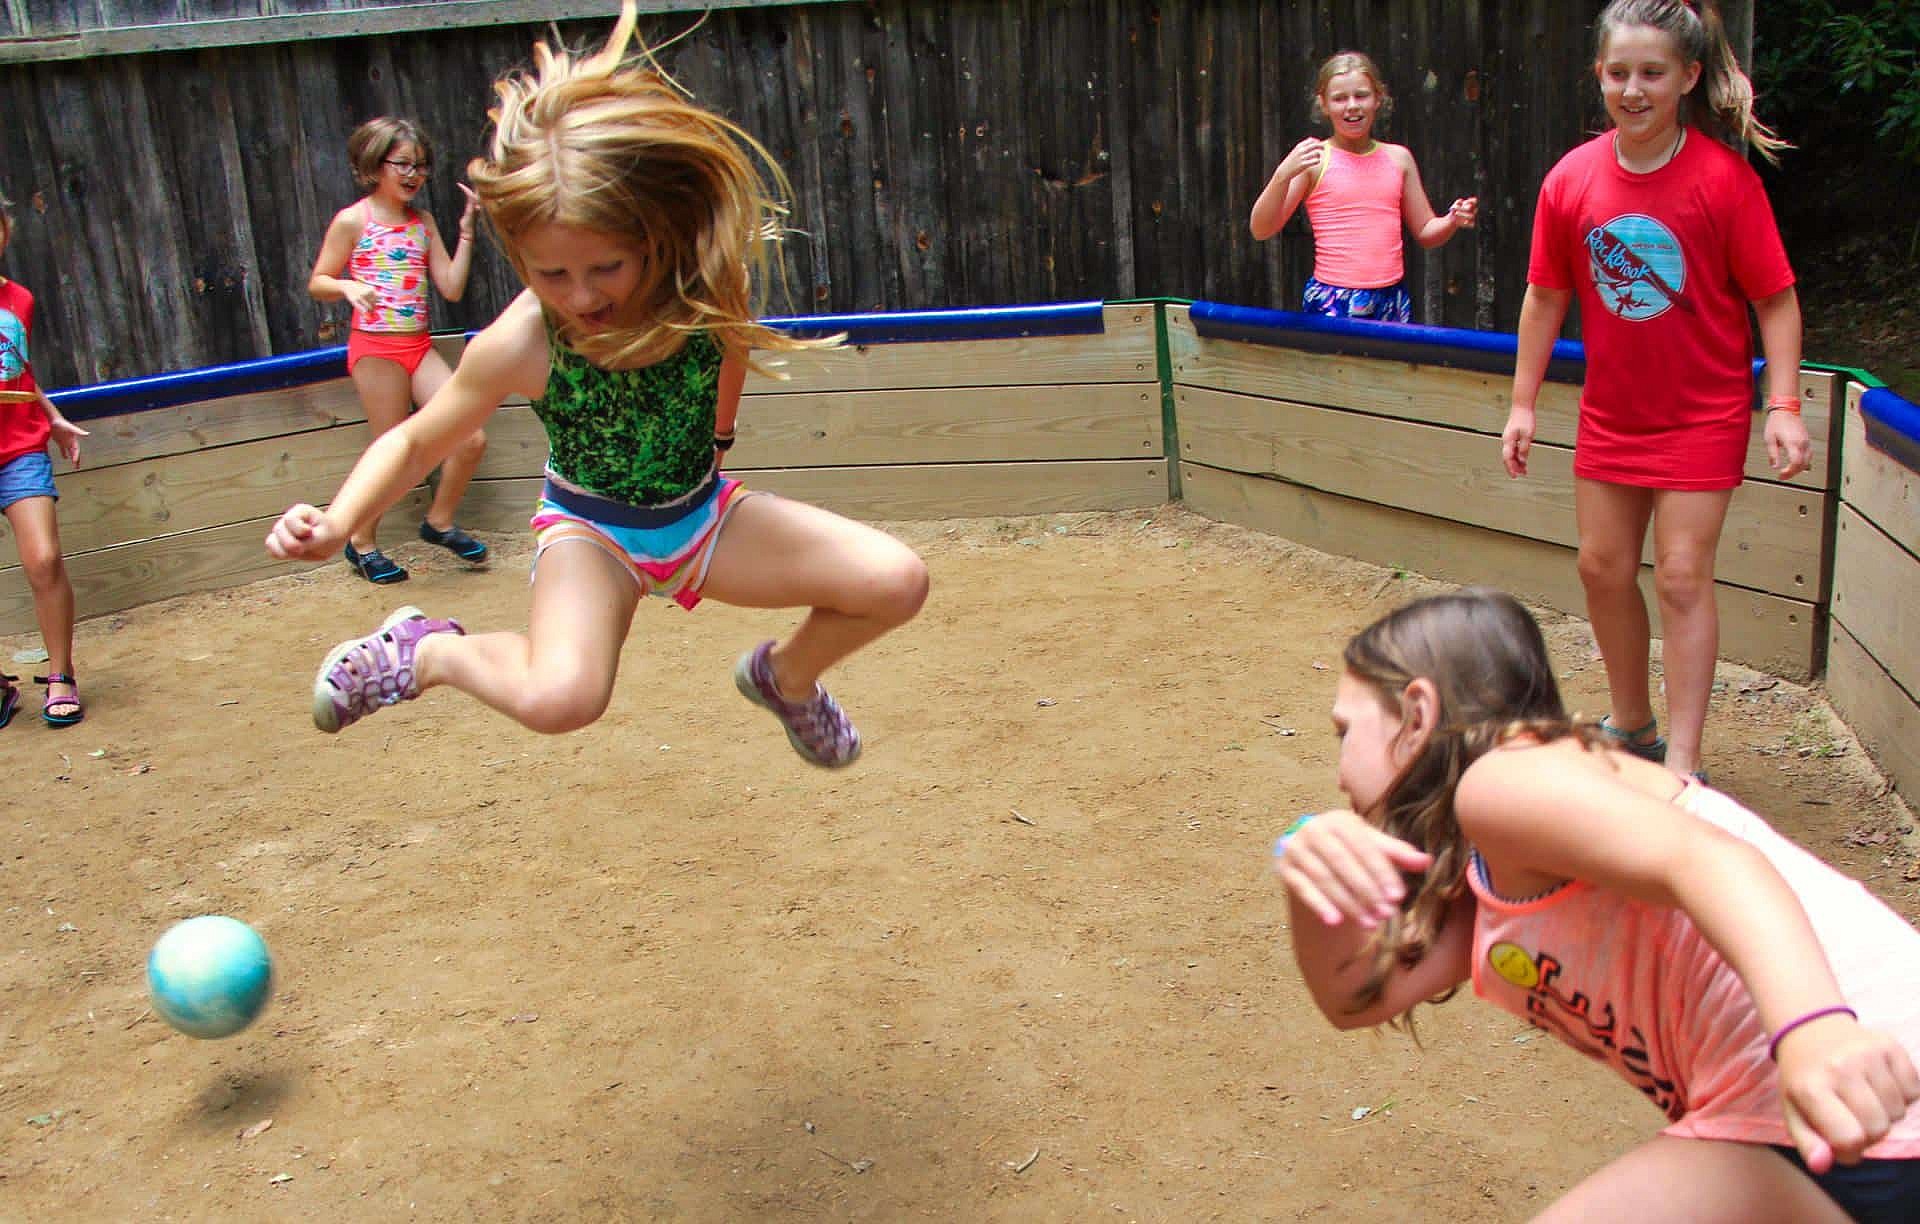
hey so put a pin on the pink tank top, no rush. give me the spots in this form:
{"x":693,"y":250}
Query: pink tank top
{"x":1637,"y":987}
{"x":393,"y":259}
{"x":1355,"y":212}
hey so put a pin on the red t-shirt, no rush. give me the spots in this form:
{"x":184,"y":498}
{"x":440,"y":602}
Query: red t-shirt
{"x":1663,"y":266}
{"x":23,"y":427}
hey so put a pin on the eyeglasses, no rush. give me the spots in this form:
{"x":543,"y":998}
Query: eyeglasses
{"x":407,"y":168}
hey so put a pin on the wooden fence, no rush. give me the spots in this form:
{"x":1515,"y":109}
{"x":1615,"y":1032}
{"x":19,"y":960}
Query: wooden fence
{"x":180,"y":499}
{"x":171,"y":188}
{"x":1873,"y":645}
{"x":1398,"y":463}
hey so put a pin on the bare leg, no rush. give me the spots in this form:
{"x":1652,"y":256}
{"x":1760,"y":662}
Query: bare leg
{"x":1697,"y":1181}
{"x":1613,"y":528}
{"x":1686,"y":533}
{"x":386,"y":397}
{"x":559,"y":676}
{"x":857,"y":582}
{"x":456,"y":471}
{"x":37,"y":533}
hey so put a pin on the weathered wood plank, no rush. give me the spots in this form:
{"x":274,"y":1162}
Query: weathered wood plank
{"x":1881,"y":713}
{"x":1879,"y":486}
{"x":1771,"y":540}
{"x":104,"y":507}
{"x":919,"y":491}
{"x":1123,"y":353}
{"x":1467,"y":399}
{"x":141,"y":571}
{"x":1764,"y":631}
{"x":1876,"y":595}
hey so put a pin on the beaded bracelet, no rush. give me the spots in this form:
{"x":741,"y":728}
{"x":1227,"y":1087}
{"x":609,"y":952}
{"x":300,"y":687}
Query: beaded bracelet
{"x":1773,"y":1047}
{"x":1784,"y":403}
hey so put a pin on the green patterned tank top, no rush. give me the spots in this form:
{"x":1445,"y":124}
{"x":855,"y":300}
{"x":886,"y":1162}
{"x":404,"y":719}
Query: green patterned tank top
{"x":644,"y":437}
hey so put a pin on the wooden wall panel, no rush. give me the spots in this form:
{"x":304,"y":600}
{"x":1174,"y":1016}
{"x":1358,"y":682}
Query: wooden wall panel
{"x":1876,"y":595}
{"x":1761,"y":630}
{"x":1879,"y":486}
{"x":1884,"y":715}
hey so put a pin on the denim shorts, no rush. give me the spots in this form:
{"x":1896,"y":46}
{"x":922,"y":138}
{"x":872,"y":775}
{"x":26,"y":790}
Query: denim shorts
{"x":31,"y":475}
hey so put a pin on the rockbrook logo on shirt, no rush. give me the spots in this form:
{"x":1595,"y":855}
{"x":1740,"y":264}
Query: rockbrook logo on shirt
{"x":1638,"y":269}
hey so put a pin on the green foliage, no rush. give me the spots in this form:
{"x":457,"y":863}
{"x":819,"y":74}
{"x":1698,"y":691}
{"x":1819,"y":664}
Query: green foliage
{"x":1829,"y":64}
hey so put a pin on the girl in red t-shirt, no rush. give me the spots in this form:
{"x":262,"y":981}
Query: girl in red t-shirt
{"x":1665,"y":236}
{"x":1359,"y":192}
{"x":28,"y":420}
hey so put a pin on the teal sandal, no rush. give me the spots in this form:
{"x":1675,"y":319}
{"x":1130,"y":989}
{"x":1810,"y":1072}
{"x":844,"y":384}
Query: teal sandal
{"x":1634,"y":741}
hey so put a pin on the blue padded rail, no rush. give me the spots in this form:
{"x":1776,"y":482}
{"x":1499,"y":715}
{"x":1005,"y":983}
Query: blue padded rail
{"x":1443,"y":346}
{"x":211,"y":382}
{"x":320,"y":365}
{"x":984,"y":323}
{"x":1893,"y":426}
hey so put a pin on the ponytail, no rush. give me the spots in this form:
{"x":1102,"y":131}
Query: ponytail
{"x":1722,"y":103}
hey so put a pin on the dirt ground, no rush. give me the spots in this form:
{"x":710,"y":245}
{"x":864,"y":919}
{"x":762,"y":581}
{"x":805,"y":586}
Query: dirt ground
{"x":1023,"y":962}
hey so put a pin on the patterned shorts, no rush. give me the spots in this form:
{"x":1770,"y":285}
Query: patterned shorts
{"x":1388,"y":305}
{"x":666,"y":548}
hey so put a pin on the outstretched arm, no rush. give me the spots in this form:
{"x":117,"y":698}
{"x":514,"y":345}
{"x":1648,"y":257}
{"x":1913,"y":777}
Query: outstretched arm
{"x":1427,"y":229}
{"x":508,"y":358}
{"x":1561,"y":813}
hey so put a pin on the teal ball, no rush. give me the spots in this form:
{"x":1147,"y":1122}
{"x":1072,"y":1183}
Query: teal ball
{"x":210,"y":976}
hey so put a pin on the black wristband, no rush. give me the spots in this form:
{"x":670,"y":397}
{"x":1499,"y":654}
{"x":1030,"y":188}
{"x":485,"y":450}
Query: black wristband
{"x":723,"y":442}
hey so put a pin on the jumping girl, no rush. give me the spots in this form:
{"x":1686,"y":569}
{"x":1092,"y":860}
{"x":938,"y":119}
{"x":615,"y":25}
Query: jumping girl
{"x":378,"y":256}
{"x":1358,"y":192}
{"x":1767,"y":1004}
{"x":28,"y":421}
{"x":1665,"y":236}
{"x":633,"y":216}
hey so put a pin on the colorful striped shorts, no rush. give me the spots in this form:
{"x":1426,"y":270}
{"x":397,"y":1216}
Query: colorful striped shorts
{"x":1388,"y":305}
{"x":666,"y":548}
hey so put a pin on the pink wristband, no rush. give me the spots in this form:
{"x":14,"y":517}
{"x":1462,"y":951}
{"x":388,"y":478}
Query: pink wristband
{"x":1773,"y":1047}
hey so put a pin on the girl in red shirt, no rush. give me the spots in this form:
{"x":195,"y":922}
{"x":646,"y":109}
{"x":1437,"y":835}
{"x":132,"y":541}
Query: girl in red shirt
{"x":28,"y":421}
{"x":1665,"y":236}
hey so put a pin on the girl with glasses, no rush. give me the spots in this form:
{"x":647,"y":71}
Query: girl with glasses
{"x":378,"y":256}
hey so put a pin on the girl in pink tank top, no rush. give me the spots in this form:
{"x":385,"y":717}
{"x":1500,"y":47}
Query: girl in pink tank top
{"x":1358,"y":192}
{"x":379,"y":256}
{"x":1768,"y":1005}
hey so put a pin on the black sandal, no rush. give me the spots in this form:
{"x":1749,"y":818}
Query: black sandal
{"x":9,"y":698}
{"x":455,"y":541}
{"x":375,"y":566}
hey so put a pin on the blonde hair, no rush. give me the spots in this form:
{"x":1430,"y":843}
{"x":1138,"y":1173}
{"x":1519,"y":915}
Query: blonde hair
{"x":606,"y":144}
{"x":1699,"y":37}
{"x":1351,"y":61}
{"x":1485,"y":656}
{"x":370,"y":143}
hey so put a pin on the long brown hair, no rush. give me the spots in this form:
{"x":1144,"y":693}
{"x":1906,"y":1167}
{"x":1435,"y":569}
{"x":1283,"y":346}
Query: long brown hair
{"x":1485,"y":656}
{"x":1699,"y":37}
{"x":605,"y":143}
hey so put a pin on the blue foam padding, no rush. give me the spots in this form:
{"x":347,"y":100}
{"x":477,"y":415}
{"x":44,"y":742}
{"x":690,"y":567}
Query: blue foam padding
{"x":211,"y":382}
{"x":1893,"y":426}
{"x":319,"y":365}
{"x":1414,"y":342}
{"x":984,"y":323}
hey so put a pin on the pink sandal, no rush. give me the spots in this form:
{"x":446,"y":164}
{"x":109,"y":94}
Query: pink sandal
{"x":373,"y":672}
{"x":69,"y":717}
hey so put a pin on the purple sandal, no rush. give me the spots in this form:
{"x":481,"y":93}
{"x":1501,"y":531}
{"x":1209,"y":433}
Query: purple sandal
{"x":65,"y":718}
{"x":817,"y":728}
{"x":372,"y":672}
